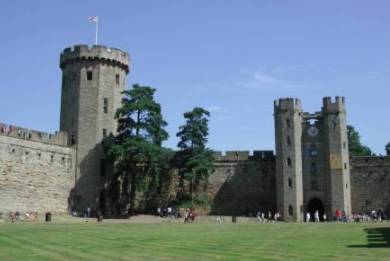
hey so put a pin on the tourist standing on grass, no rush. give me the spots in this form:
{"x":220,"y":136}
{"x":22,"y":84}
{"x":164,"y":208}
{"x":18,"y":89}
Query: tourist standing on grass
{"x":258,"y":216}
{"x":317,"y":216}
{"x":324,"y":217}
{"x":307,"y":216}
{"x":338,"y":215}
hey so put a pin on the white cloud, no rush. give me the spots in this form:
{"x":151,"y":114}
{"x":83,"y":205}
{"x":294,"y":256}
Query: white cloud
{"x":262,"y":80}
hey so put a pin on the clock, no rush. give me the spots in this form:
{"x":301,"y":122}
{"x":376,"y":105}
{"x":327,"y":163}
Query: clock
{"x":312,"y":131}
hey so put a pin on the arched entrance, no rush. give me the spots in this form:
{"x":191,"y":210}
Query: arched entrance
{"x":314,"y":205}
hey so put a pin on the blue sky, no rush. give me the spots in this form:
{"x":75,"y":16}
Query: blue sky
{"x":232,"y":57}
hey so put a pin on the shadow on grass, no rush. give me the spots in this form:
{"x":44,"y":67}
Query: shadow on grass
{"x":376,"y":238}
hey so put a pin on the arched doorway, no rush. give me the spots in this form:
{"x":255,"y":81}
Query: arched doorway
{"x":314,"y":205}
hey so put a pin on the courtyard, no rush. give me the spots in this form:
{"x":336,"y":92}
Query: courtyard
{"x":85,"y":239}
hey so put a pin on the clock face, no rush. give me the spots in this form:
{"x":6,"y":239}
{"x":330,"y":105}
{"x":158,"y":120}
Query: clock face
{"x":313,"y":131}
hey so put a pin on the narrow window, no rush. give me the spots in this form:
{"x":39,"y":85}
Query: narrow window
{"x":104,"y":133}
{"x":105,"y":105}
{"x":26,"y":152}
{"x":290,"y":182}
{"x":289,"y":161}
{"x":345,"y":165}
{"x":39,"y":155}
{"x":290,"y":210}
{"x":344,"y":145}
{"x":89,"y":75}
{"x":346,"y":185}
{"x":288,"y":123}
{"x":102,"y":168}
{"x":73,"y":139}
{"x":52,"y":158}
{"x":63,"y":160}
{"x":313,"y":150}
{"x":117,"y":79}
{"x":313,"y":168}
{"x":288,"y":140}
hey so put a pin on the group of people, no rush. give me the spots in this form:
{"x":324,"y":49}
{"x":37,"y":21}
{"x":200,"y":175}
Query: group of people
{"x":17,"y":216}
{"x":168,"y":212}
{"x":189,"y":216}
{"x":316,"y":217}
{"x":260,"y":217}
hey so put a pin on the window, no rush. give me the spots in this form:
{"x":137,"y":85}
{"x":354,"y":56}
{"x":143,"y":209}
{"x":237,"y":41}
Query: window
{"x":334,"y":124}
{"x":345,"y":165}
{"x":102,"y":168}
{"x":39,"y":155}
{"x":314,"y":184}
{"x":104,"y":133}
{"x":313,"y":150}
{"x":313,"y":169}
{"x":117,"y":79}
{"x":52,"y":158}
{"x":89,"y":75}
{"x":63,"y":160}
{"x":105,"y":105}
{"x":289,"y":161}
{"x":344,"y":145}
{"x":346,"y":185}
{"x":289,"y":182}
{"x":290,"y":210}
{"x":73,"y":139}
{"x":288,"y":140}
{"x":288,"y":123}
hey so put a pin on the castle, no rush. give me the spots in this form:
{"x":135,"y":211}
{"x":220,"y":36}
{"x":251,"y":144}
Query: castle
{"x":311,"y":169}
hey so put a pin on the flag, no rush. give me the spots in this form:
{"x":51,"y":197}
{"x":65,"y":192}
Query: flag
{"x":92,"y":19}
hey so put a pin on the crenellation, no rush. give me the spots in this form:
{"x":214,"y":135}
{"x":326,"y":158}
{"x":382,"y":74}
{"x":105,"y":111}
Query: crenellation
{"x":58,"y":138}
{"x":239,"y":155}
{"x":113,"y":56}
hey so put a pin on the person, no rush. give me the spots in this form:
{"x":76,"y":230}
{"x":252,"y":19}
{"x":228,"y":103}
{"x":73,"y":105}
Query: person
{"x":88,"y":212}
{"x":262,"y":216}
{"x":324,"y":217}
{"x":338,"y":215}
{"x":159,"y":211}
{"x":276,"y":216}
{"x":269,"y":217}
{"x":308,"y":216}
{"x":317,"y":216}
{"x":258,"y":217}
{"x":219,"y":220}
{"x":169,"y":212}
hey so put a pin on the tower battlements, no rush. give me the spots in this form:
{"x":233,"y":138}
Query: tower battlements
{"x":96,"y":52}
{"x":58,"y":138}
{"x":333,"y":106}
{"x":287,"y":103}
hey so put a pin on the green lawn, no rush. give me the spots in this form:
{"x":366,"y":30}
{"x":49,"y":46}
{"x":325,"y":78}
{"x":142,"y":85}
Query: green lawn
{"x":204,"y":241}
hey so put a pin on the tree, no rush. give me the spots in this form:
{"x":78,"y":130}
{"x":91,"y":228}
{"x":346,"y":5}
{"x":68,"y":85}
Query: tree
{"x":356,"y":148}
{"x":195,"y":160}
{"x":137,"y":150}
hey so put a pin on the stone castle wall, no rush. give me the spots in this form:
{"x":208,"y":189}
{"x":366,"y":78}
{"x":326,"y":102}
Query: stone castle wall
{"x":36,"y":173}
{"x":243,"y":184}
{"x":370,"y":184}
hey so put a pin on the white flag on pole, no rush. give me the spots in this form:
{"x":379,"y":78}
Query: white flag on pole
{"x":92,"y":19}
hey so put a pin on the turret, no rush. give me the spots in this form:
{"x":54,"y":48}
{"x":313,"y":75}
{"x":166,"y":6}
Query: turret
{"x":92,"y":82}
{"x":288,"y":132}
{"x":337,"y":155}
{"x":388,"y":149}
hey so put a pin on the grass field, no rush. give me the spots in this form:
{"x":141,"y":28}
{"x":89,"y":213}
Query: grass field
{"x":207,"y":241}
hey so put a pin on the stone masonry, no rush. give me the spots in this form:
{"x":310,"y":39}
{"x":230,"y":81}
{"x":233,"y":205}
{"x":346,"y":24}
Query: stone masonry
{"x":36,"y":171}
{"x":311,"y":169}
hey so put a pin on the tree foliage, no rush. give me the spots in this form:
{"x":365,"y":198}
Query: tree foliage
{"x":137,"y":150}
{"x":194,"y":159}
{"x":356,"y":148}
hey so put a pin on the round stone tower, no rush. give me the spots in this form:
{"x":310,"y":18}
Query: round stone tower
{"x":93,"y":79}
{"x":387,"y":149}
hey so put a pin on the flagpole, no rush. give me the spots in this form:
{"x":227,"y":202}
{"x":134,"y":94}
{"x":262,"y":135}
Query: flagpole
{"x":96,"y":30}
